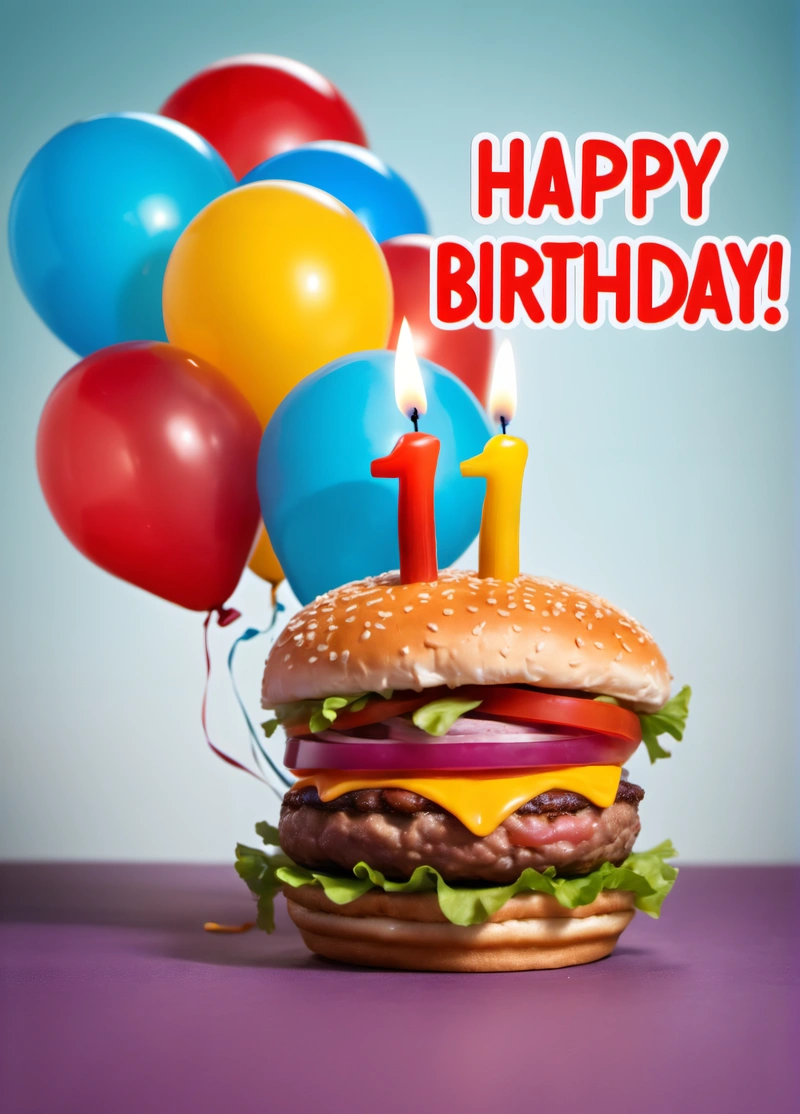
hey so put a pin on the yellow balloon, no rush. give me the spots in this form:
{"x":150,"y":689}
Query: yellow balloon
{"x":263,"y":561}
{"x":273,"y":280}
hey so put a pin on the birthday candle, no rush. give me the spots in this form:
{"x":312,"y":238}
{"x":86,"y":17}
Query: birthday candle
{"x":413,"y":462}
{"x":502,"y":464}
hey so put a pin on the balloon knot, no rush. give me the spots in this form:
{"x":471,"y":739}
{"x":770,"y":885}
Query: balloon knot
{"x":227,"y":615}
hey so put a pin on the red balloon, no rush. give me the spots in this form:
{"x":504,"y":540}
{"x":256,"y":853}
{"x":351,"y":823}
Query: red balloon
{"x":466,"y":352}
{"x":257,"y":105}
{"x":147,"y":460}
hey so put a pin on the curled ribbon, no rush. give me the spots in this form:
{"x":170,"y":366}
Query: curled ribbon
{"x":226,"y":616}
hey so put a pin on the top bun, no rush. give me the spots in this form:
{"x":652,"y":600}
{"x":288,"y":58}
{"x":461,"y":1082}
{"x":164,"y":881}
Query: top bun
{"x":378,"y":634}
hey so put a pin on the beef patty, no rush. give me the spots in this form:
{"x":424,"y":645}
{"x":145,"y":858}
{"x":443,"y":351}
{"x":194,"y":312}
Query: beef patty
{"x":396,"y":831}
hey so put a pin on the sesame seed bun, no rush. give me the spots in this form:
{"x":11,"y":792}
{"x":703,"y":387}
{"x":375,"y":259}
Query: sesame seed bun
{"x":379,"y":634}
{"x":410,"y":932}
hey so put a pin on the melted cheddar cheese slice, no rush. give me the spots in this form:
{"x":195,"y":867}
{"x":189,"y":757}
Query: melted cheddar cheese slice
{"x":481,"y":801}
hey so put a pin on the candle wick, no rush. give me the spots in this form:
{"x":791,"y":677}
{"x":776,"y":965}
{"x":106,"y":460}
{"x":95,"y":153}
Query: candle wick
{"x":503,"y":423}
{"x":415,"y":419}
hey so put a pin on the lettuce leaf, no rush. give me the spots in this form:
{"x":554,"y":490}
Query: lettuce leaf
{"x":318,"y":714}
{"x":645,"y":874}
{"x":439,"y":716}
{"x":671,"y":720}
{"x":436,"y":718}
{"x":258,"y":869}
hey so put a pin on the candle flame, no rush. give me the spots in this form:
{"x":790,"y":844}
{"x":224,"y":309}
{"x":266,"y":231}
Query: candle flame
{"x":503,"y":393}
{"x":409,"y":390}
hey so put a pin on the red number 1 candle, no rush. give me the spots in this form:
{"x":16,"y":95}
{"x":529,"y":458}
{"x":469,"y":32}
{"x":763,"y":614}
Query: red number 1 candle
{"x":413,"y":462}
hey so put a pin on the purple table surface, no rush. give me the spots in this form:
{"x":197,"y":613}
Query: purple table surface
{"x":114,"y":1000}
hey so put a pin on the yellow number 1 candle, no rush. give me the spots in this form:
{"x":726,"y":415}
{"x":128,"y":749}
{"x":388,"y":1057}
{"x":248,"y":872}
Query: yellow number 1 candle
{"x":502,"y":464}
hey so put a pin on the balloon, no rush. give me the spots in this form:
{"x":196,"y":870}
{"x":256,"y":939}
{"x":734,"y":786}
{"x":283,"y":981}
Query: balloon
{"x":263,"y":561}
{"x":147,"y":460}
{"x":329,"y":520}
{"x":95,"y":217}
{"x":466,"y":352}
{"x":272,"y":281}
{"x":377,"y":195}
{"x":256,"y":105}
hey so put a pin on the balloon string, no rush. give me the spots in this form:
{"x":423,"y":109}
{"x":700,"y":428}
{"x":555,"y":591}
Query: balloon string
{"x":226,"y":615}
{"x":256,"y":746}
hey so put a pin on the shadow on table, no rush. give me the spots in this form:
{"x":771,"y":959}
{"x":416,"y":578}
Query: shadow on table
{"x":161,"y":909}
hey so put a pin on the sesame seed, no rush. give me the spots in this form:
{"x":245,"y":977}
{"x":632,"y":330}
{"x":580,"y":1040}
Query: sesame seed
{"x":364,"y":636}
{"x":408,"y":607}
{"x":352,"y":607}
{"x":589,"y":626}
{"x":350,"y":619}
{"x":380,"y":626}
{"x":378,"y":600}
{"x":345,"y":655}
{"x":516,"y":628}
{"x":447,"y":611}
{"x":574,"y":664}
{"x":653,"y":662}
{"x":333,"y":655}
{"x":539,"y":647}
{"x":286,"y":657}
{"x":404,"y":649}
{"x":546,"y":614}
{"x":547,"y":629}
{"x":598,"y":614}
{"x":627,"y":648}
{"x":367,"y":623}
{"x":599,"y":645}
{"x":477,"y":630}
{"x":313,"y":658}
{"x":491,"y":601}
{"x":313,"y":626}
{"x":505,"y":614}
{"x":471,"y":608}
{"x":529,"y":607}
{"x":512,"y":606}
{"x":579,"y":642}
{"x":640,"y":639}
{"x":619,"y":656}
{"x":323,"y":646}
{"x":432,"y":626}
{"x":504,"y":652}
{"x":385,"y":614}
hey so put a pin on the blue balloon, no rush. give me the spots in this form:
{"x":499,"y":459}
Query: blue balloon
{"x":95,"y":217}
{"x":378,"y":196}
{"x":329,"y":521}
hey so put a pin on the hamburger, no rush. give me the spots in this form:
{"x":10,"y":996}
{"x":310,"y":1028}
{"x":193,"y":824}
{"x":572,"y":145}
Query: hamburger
{"x":461,"y":802}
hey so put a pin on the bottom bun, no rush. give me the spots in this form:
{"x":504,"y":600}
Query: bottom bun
{"x":409,"y":931}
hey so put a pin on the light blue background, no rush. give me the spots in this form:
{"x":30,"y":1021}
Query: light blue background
{"x":660,"y":468}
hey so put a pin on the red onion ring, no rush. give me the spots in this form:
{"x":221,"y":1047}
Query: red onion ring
{"x":309,"y":753}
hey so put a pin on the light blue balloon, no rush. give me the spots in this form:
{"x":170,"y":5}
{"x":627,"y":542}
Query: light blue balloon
{"x":95,"y":217}
{"x":379,"y":197}
{"x":328,"y":519}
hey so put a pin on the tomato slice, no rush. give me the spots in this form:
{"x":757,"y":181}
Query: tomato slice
{"x":504,"y":702}
{"x":524,"y":705}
